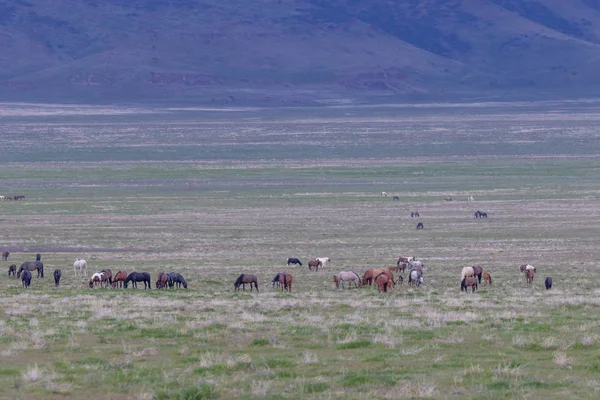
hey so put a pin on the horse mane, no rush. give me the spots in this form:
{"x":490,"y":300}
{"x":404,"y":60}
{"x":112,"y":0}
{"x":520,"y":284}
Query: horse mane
{"x":355,"y":274}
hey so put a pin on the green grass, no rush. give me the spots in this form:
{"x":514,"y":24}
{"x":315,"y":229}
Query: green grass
{"x":213,"y":220}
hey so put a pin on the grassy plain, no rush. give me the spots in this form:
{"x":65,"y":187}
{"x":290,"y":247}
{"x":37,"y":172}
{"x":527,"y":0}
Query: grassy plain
{"x":212,"y":196}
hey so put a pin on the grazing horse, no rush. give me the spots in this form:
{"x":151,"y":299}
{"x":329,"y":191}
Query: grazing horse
{"x":177,"y":280}
{"x":367,"y":278}
{"x":119,"y":279}
{"x":347,"y":276}
{"x":384,"y":283}
{"x":57,"y":274}
{"x":5,"y":255}
{"x":32,"y":266}
{"x":529,"y":275}
{"x":396,"y":198}
{"x":480,"y":214}
{"x":487,"y":278}
{"x":293,"y":261}
{"x":275,"y":280}
{"x":469,"y":282}
{"x":26,"y":278}
{"x":414,"y":214}
{"x":314,"y":263}
{"x":448,"y":198}
{"x":466,"y":271}
{"x":136,"y":277}
{"x":285,"y":281}
{"x":420,"y":225}
{"x":246,"y":278}
{"x":12,"y":270}
{"x":98,"y":279}
{"x":38,"y":257}
{"x":324,"y":261}
{"x":108,"y":274}
{"x":548,"y":283}
{"x":478,"y":271}
{"x":384,"y":194}
{"x":80,"y":267}
{"x":415,"y":277}
{"x":162,"y":280}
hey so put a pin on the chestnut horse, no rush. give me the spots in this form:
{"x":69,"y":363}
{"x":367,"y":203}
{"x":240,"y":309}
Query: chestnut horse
{"x":384,"y":283}
{"x":161,"y":281}
{"x":529,"y":275}
{"x":285,"y":281}
{"x":119,"y":279}
{"x":5,"y":255}
{"x":314,"y":264}
{"x":487,"y":278}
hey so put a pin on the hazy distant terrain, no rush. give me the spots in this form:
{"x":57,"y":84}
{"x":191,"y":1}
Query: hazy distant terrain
{"x":296,"y":51}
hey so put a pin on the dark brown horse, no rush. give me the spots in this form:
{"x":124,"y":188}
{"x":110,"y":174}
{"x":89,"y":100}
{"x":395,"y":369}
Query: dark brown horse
{"x":162,"y":280}
{"x":414,"y":214}
{"x":314,"y":264}
{"x":12,"y":270}
{"x":469,"y":282}
{"x":529,"y":275}
{"x":246,"y":278}
{"x":384,"y":283}
{"x":285,"y":280}
{"x":119,"y":279}
{"x":5,"y":255}
{"x":31,"y":266}
{"x":478,"y":271}
{"x":367,"y":278}
{"x":108,"y":274}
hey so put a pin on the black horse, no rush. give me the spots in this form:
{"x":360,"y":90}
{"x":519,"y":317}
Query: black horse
{"x":275,"y":280}
{"x":26,"y":278}
{"x":396,"y":198}
{"x":12,"y":270}
{"x":38,"y":257}
{"x":136,"y":277}
{"x":420,"y":225}
{"x":548,"y":283}
{"x":246,"y":278}
{"x":32,"y":266}
{"x":176,"y":279}
{"x":57,"y":274}
{"x":480,"y":214}
{"x":293,"y":261}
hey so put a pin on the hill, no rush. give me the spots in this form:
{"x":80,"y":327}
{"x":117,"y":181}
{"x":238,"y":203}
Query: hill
{"x":289,"y":51}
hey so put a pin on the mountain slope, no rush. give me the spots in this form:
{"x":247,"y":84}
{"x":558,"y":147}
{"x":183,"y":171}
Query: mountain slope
{"x":286,"y":50}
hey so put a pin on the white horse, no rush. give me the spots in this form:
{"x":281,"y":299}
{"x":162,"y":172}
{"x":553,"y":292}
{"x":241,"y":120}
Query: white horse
{"x":470,"y":198}
{"x":80,"y":267}
{"x":384,"y":194}
{"x":466,"y":271}
{"x":324,"y":260}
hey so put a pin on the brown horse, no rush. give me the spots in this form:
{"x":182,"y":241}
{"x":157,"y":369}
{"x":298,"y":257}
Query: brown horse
{"x":12,"y":270}
{"x":314,"y":264}
{"x":487,"y":278}
{"x":367,"y":278}
{"x":478,"y":271}
{"x":384,"y":283}
{"x":469,"y":282}
{"x":32,"y":266}
{"x":5,"y":255}
{"x":108,"y":274}
{"x":285,"y":280}
{"x":246,"y":278}
{"x":119,"y":279}
{"x":529,"y":275}
{"x":161,"y":281}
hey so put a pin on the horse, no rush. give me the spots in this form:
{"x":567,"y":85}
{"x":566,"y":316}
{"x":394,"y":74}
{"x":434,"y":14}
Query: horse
{"x":529,"y":275}
{"x":466,"y":271}
{"x":480,"y":214}
{"x":367,"y":278}
{"x":162,"y":280}
{"x":414,"y":214}
{"x":420,"y":225}
{"x":548,"y":283}
{"x":384,"y":194}
{"x":26,"y":278}
{"x":470,"y":198}
{"x":396,"y":198}
{"x":293,"y":261}
{"x":448,"y":198}
{"x":108,"y":274}
{"x":12,"y":270}
{"x":285,"y":281}
{"x":415,"y":277}
{"x":5,"y":255}
{"x":324,"y":260}
{"x":414,"y":264}
{"x":80,"y":267}
{"x":136,"y":277}
{"x":349,"y":276}
{"x":478,"y":271}
{"x":57,"y":274}
{"x":487,"y":278}
{"x":314,"y":263}
{"x":176,"y":279}
{"x":119,"y":279}
{"x":246,"y":278}
{"x":469,"y":282}
{"x":32,"y":266}
{"x":275,"y":280}
{"x":38,"y":257}
{"x":97,"y":279}
{"x":384,"y":283}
